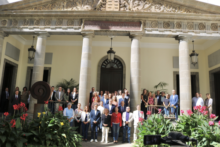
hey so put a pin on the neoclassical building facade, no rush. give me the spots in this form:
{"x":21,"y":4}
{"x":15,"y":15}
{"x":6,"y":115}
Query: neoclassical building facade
{"x":152,"y":40}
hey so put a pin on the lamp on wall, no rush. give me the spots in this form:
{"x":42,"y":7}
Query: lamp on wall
{"x":111,"y":53}
{"x":194,"y":56}
{"x":31,"y":51}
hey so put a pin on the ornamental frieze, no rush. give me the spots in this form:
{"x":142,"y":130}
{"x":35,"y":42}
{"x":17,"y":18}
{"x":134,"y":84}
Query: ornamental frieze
{"x":116,"y":5}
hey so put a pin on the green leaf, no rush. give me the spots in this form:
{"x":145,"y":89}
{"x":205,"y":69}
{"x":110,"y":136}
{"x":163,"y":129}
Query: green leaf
{"x":18,"y":123}
{"x":3,"y":138}
{"x":8,"y":144}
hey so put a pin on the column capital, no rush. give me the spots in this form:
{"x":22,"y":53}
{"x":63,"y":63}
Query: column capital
{"x":43,"y":34}
{"x":136,"y":35}
{"x":184,"y":37}
{"x":87,"y":33}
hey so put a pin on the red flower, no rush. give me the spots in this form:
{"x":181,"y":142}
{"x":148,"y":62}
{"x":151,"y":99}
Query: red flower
{"x":205,"y":112}
{"x":22,"y":104}
{"x":195,"y":107}
{"x":15,"y":107}
{"x":60,"y":108}
{"x":45,"y":102}
{"x":189,"y":112}
{"x":148,"y":113}
{"x":211,"y":123}
{"x":203,"y":108}
{"x":19,"y":106}
{"x":25,"y":109}
{"x":13,"y":122}
{"x":212,"y":116}
{"x":159,"y":111}
{"x":219,"y":123}
{"x":182,"y":111}
{"x":6,"y":114}
{"x":141,"y":119}
{"x":141,"y":112}
{"x":23,"y":134}
{"x":199,"y":107}
{"x":23,"y":117}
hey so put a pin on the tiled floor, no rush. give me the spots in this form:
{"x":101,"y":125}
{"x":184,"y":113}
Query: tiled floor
{"x":111,"y":144}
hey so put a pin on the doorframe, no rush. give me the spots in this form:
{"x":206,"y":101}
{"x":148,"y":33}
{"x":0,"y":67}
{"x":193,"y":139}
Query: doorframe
{"x":27,"y":83}
{"x":192,"y":73}
{"x":212,"y":87}
{"x":14,"y":76}
{"x":99,"y":71}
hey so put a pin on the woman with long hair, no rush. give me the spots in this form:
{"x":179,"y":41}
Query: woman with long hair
{"x":144,"y":102}
{"x":85,"y":123}
{"x":78,"y":113}
{"x":114,"y":101}
{"x":95,"y":95}
{"x":24,"y":96}
{"x":150,"y":102}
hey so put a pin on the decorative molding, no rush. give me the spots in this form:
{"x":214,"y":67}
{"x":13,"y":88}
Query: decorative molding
{"x":117,"y":5}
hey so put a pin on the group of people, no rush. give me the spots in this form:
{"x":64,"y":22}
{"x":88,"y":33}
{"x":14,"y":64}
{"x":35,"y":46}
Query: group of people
{"x":110,"y":112}
{"x":16,"y":98}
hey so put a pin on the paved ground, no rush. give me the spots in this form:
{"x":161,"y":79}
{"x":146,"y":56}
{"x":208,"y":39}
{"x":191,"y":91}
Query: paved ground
{"x":111,"y":144}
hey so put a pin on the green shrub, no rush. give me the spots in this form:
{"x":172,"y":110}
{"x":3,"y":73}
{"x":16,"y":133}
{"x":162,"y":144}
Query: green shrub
{"x":156,"y":124}
{"x":47,"y":130}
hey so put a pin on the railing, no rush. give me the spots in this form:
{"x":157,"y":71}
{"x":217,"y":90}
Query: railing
{"x":153,"y":109}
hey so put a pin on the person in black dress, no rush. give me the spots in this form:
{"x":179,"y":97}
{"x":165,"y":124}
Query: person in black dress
{"x":144,"y":101}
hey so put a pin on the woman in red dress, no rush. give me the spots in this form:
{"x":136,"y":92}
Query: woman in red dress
{"x":116,"y":123}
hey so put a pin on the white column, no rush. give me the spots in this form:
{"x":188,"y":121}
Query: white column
{"x":135,"y":71}
{"x":2,"y":35}
{"x":38,"y":68}
{"x":85,"y":68}
{"x":184,"y":73}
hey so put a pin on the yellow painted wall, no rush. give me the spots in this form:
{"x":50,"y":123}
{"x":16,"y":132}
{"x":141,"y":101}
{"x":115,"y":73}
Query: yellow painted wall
{"x":156,"y":64}
{"x":21,"y":72}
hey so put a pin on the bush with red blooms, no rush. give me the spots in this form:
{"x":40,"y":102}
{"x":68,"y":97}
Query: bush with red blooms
{"x":199,"y":126}
{"x":45,"y":102}
{"x":148,"y":113}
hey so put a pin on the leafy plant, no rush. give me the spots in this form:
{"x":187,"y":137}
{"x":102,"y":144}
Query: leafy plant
{"x":196,"y":125}
{"x":161,"y":85}
{"x":68,"y":84}
{"x":47,"y":130}
{"x":156,"y":124}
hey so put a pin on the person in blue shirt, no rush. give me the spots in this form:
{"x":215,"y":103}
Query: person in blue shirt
{"x":174,"y":103}
{"x":123,"y":99}
{"x":69,"y":112}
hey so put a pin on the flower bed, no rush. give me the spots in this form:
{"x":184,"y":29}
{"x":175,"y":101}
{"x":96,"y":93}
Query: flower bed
{"x":195,"y":125}
{"x":47,"y":130}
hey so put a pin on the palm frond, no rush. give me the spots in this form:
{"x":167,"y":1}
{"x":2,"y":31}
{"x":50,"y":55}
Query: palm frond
{"x":160,"y":85}
{"x":68,"y":84}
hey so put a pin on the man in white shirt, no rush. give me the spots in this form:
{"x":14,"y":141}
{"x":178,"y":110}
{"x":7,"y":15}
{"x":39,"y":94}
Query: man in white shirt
{"x":196,"y":101}
{"x":137,"y":114}
{"x":127,"y":119}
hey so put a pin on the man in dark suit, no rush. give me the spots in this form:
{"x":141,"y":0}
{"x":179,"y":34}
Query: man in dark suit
{"x":5,"y":100}
{"x":51,"y":100}
{"x":74,"y":98}
{"x":160,"y":101}
{"x":94,"y":121}
{"x":105,"y":100}
{"x":15,"y":99}
{"x":90,"y":97}
{"x":110,"y":107}
{"x":122,"y":108}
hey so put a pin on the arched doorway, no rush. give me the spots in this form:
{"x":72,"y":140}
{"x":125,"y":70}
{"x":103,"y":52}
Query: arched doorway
{"x":111,"y":75}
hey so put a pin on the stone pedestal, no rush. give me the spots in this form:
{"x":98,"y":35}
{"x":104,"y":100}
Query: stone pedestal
{"x":85,"y":69}
{"x":38,"y":68}
{"x":184,"y":73}
{"x":135,"y":71}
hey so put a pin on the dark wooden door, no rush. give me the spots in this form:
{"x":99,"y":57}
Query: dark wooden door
{"x":217,"y":94}
{"x":111,"y":76}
